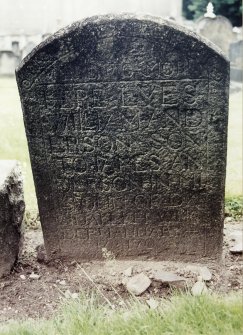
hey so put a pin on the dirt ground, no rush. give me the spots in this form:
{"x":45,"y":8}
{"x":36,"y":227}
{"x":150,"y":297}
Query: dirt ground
{"x":23,"y":296}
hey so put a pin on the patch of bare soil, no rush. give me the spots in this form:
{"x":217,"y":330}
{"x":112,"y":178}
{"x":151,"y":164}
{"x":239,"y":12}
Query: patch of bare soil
{"x":34,"y":289}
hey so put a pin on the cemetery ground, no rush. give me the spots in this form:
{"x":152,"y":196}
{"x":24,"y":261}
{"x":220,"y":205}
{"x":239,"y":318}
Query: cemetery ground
{"x":92,"y":298}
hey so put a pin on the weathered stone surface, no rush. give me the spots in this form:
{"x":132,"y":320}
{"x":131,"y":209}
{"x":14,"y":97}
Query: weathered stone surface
{"x":152,"y":303}
{"x":11,"y":214}
{"x":128,"y":271}
{"x":237,"y":235}
{"x":199,"y":288}
{"x":34,"y":276}
{"x":205,"y":273}
{"x":238,"y":248}
{"x":126,"y":120}
{"x":138,"y":284}
{"x":167,"y":277}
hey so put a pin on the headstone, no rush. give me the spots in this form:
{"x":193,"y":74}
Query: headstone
{"x":236,"y":54}
{"x":126,"y":120}
{"x":8,"y":62}
{"x":236,"y":61}
{"x":11,"y":214}
{"x":218,"y":30}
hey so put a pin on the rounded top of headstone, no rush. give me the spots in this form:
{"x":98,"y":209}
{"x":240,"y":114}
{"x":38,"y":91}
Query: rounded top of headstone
{"x":91,"y":25}
{"x":218,"y":19}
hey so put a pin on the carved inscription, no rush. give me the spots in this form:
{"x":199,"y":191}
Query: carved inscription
{"x":123,"y":128}
{"x":116,"y":152}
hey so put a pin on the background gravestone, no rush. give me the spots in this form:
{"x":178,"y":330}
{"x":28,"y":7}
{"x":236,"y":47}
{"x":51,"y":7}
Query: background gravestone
{"x":236,"y":61}
{"x":12,"y":208}
{"x":218,"y":30}
{"x":126,"y":120}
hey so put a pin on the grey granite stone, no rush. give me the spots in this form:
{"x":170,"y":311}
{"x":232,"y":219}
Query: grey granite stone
{"x":138,"y":284}
{"x":205,"y":273}
{"x":167,"y":277}
{"x":199,"y":288}
{"x":11,"y":214}
{"x":126,"y":120}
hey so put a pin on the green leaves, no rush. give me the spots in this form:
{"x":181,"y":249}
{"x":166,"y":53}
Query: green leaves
{"x":231,"y":9}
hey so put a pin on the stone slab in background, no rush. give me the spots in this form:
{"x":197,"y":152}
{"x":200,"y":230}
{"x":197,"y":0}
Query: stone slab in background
{"x":12,"y":208}
{"x":218,"y":30}
{"x":236,"y":54}
{"x":236,"y":74}
{"x":126,"y":120}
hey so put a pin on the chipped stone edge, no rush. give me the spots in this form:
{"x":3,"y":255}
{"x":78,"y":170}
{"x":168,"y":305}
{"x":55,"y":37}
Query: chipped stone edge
{"x":16,"y":199}
{"x":119,"y":17}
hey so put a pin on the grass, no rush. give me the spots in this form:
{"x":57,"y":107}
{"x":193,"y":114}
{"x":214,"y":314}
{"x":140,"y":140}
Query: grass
{"x":14,"y":145}
{"x":181,"y":315}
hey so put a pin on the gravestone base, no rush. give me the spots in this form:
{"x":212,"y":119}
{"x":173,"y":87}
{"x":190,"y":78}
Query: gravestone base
{"x":12,"y":208}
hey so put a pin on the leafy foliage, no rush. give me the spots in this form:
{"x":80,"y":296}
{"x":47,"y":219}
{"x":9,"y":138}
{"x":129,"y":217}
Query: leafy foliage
{"x":232,"y":9}
{"x":234,"y":207}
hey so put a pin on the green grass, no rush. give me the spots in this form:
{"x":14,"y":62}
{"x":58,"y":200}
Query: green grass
{"x":14,"y":145}
{"x":181,"y":315}
{"x":234,"y":207}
